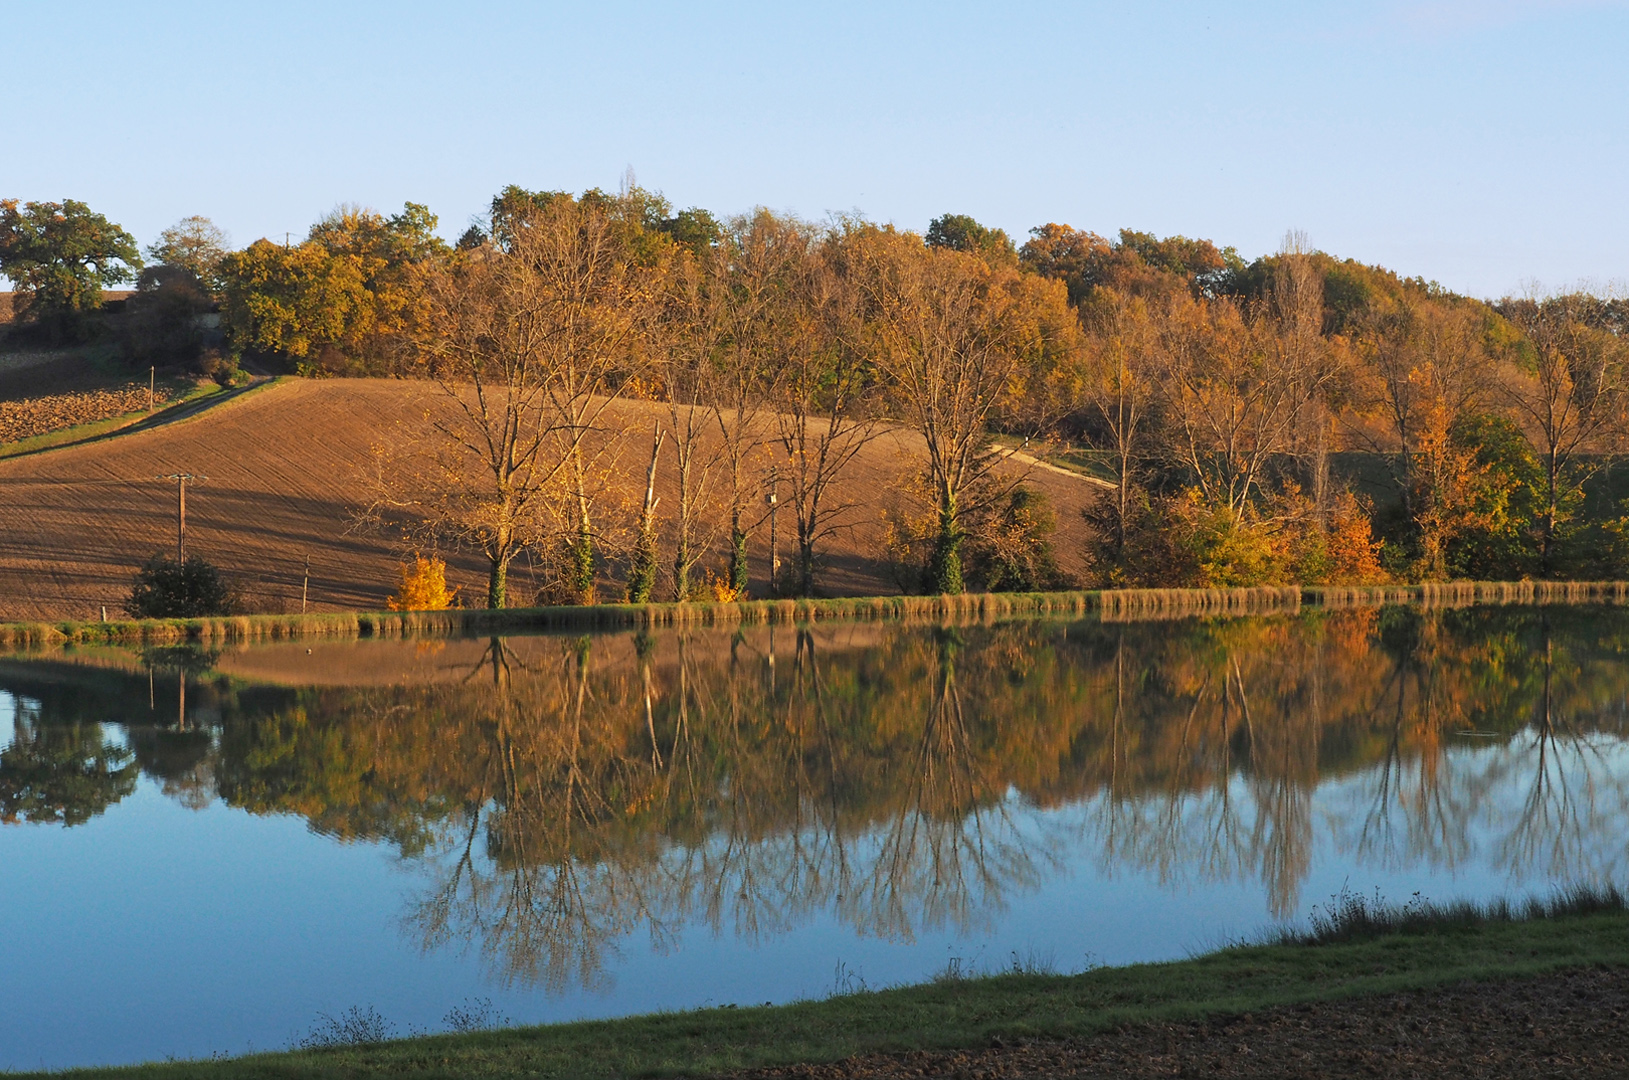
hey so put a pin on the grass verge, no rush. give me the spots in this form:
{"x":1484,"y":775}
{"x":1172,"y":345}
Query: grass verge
{"x":1359,"y":948}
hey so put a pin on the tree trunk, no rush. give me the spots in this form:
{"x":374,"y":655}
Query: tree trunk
{"x":738,"y":554}
{"x":497,"y":584}
{"x":805,"y":564}
{"x":642,"y":574}
{"x":582,"y":546}
{"x":945,"y":567}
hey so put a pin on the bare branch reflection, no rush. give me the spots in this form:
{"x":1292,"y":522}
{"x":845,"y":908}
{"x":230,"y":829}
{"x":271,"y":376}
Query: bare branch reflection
{"x":561,"y":798}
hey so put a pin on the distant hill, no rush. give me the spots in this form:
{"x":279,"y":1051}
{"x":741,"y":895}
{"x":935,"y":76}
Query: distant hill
{"x":286,"y":465}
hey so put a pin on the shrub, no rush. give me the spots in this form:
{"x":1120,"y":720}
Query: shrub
{"x":1012,"y":551}
{"x":423,"y":587}
{"x":167,"y":589}
{"x":719,"y":589}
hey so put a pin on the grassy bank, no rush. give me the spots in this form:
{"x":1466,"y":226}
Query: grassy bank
{"x":1123,"y":605}
{"x":1358,"y":949}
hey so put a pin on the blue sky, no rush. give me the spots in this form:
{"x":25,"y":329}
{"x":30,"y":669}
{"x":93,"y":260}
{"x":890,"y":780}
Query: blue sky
{"x":1483,"y":144}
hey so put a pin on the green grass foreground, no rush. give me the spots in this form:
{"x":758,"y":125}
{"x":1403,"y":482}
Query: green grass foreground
{"x":1120,"y":605}
{"x":1355,"y":949}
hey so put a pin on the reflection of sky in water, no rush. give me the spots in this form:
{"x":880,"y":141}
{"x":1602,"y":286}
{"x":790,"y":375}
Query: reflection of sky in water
{"x":176,"y":924}
{"x":215,"y":930}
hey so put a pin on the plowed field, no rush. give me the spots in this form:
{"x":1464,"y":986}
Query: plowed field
{"x":287,"y":468}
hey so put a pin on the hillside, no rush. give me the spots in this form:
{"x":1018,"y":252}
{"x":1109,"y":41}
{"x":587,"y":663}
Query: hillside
{"x":286,"y":465}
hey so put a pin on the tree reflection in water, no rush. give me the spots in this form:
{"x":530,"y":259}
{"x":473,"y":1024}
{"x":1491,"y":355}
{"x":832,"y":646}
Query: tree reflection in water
{"x":563,"y":796}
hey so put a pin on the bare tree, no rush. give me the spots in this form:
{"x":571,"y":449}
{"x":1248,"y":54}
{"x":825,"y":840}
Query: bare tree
{"x":1125,"y":343}
{"x":1233,"y":402}
{"x":821,"y":381}
{"x":956,"y":338}
{"x":523,"y":342}
{"x":765,"y":261}
{"x":697,"y":329}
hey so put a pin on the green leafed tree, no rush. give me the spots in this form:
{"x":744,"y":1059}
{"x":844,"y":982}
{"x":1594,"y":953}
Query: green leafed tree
{"x":62,"y":774}
{"x":59,"y":257}
{"x":196,"y":245}
{"x":960,"y":232}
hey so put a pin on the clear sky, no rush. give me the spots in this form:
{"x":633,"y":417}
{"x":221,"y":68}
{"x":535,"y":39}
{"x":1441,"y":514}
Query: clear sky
{"x":1482,"y":143}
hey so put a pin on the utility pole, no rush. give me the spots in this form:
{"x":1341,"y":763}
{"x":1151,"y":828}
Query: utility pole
{"x":305,"y":586}
{"x":152,"y":378}
{"x":180,"y":480}
{"x":773,"y":499}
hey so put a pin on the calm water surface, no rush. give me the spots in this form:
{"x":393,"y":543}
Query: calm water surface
{"x":206,"y":851}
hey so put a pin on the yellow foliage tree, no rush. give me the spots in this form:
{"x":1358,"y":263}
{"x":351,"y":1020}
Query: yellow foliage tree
{"x":423,"y":587}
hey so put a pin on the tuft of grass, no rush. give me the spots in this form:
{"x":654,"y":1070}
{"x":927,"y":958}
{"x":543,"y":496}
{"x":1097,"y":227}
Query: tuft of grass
{"x":1364,"y":948}
{"x":355,"y":1026}
{"x":1351,"y":916}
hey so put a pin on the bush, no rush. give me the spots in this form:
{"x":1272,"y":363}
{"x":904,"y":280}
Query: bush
{"x":1005,"y":546}
{"x":167,"y":589}
{"x":1181,"y":541}
{"x":423,"y":587}
{"x":1012,"y":551}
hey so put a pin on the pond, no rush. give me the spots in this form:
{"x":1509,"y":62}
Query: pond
{"x":210,"y":851}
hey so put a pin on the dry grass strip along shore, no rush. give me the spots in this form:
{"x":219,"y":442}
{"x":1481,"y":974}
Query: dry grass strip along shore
{"x":1119,"y":605}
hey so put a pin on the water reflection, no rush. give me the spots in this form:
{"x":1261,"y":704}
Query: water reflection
{"x":561,"y":798}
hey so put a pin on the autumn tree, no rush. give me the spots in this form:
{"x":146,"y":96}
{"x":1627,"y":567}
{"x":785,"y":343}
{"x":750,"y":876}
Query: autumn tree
{"x":59,"y":257}
{"x":959,"y":232}
{"x":816,"y":354}
{"x":347,"y":300}
{"x":956,"y":337}
{"x":1570,"y":393}
{"x":1297,"y":305}
{"x":1136,"y":263}
{"x":1232,"y":403}
{"x":1123,"y":342}
{"x":524,"y":342}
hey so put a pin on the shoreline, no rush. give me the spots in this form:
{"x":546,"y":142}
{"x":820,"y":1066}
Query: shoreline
{"x":1113,"y":605}
{"x":1350,"y":966}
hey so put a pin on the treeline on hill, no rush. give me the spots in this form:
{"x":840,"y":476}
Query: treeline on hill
{"x":1233,"y":407}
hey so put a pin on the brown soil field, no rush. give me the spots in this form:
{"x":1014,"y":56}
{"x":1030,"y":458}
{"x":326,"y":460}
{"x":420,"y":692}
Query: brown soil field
{"x":53,"y":412}
{"x":1565,"y":1025}
{"x":287,"y":469}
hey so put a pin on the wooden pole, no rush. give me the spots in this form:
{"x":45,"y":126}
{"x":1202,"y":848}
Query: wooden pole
{"x":181,"y":511}
{"x":305,"y":586}
{"x":773,"y":499}
{"x":152,"y":378}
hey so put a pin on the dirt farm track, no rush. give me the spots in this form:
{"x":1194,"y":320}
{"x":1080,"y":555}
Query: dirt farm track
{"x":286,"y":466}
